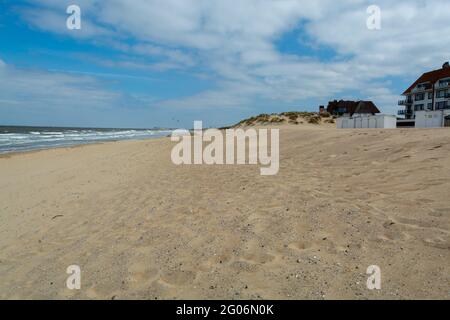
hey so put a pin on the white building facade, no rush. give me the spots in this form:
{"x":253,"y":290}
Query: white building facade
{"x":433,"y":119}
{"x":368,"y":121}
{"x":431,"y":92}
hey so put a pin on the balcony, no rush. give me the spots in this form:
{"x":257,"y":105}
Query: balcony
{"x":406,"y":112}
{"x":406,"y":102}
{"x":420,"y":89}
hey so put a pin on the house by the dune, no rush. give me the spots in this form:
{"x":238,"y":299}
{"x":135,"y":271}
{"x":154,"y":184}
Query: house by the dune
{"x":360,"y":114}
{"x":350,"y":108}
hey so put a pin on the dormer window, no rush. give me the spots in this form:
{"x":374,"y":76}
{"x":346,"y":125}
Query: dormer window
{"x":422,"y":86}
{"x":444,"y":83}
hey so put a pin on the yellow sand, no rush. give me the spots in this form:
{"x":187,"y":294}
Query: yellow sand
{"x":140,"y":227}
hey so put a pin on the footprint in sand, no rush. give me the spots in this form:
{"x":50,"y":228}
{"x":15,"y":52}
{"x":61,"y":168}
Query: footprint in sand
{"x":437,"y":243}
{"x":393,"y":232}
{"x":416,"y":224}
{"x":178,"y":277}
{"x":243,"y":265}
{"x":258,"y":258}
{"x":91,"y":293}
{"x":440,"y":212}
{"x":139,"y":273}
{"x":300,"y":246}
{"x":388,"y":224}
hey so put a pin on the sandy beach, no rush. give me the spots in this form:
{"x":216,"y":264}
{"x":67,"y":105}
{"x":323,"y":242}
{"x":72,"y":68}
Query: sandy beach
{"x":142,"y":228}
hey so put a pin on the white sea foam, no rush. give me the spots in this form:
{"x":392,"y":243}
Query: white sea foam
{"x":24,"y":140}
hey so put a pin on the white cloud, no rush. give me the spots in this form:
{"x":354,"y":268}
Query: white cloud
{"x":55,"y":21}
{"x":234,"y":41}
{"x":35,"y":89}
{"x":414,"y":36}
{"x":39,"y":97}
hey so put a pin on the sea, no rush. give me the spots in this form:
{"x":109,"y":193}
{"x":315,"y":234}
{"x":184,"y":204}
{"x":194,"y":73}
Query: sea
{"x":21,"y":138}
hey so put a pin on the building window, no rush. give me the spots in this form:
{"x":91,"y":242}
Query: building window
{"x":444,"y":82}
{"x":441,"y":105}
{"x":430,"y":106}
{"x":422,"y":86}
{"x":441,"y":93}
{"x":430,"y":95}
{"x":420,"y":97}
{"x":418,"y":107}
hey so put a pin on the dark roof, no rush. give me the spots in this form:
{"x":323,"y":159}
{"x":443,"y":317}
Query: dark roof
{"x":353,"y":107}
{"x":430,"y":78}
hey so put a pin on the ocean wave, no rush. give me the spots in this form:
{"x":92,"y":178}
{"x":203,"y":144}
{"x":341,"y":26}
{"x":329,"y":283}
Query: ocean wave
{"x":35,"y":139}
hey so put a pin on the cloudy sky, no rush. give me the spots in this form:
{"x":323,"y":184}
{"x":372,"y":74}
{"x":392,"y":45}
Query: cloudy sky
{"x":146,"y":63}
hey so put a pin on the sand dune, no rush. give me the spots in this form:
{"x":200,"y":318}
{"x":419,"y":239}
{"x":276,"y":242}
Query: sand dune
{"x":141,"y":227}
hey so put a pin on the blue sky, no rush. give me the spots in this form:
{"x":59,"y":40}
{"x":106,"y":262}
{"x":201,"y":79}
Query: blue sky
{"x":167,"y":63}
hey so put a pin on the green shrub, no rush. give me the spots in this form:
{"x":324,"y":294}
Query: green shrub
{"x":314,"y":119}
{"x":276,"y":120}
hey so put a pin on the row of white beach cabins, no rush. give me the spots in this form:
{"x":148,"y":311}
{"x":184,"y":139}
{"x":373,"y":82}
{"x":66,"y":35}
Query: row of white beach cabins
{"x":426,"y":105}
